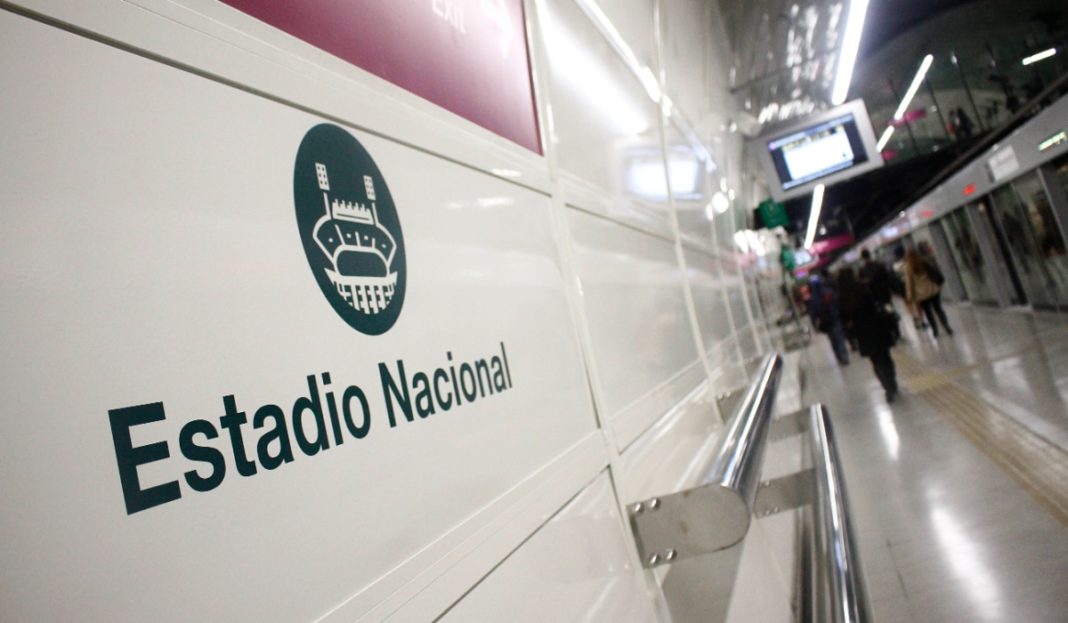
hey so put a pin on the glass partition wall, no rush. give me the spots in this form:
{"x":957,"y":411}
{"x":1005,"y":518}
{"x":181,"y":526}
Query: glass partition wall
{"x":1034,"y":240}
{"x":934,"y":236}
{"x":968,"y":257}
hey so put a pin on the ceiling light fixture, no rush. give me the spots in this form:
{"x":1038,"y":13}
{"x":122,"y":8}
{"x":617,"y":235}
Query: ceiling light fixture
{"x":1034,"y":58}
{"x":720,"y":203}
{"x":814,"y":215}
{"x":884,"y":139}
{"x":645,"y":74}
{"x":847,"y":57}
{"x":915,"y":86}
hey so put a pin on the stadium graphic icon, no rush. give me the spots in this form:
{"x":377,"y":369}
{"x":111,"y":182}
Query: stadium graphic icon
{"x":348,"y":224}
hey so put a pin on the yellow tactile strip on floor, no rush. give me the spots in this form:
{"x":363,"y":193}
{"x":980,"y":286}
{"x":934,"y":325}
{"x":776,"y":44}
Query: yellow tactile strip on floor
{"x":1039,"y":466}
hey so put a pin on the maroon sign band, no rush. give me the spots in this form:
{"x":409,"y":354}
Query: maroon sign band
{"x":468,"y":56}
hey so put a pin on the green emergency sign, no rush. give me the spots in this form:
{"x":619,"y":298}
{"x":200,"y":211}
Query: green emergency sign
{"x":772,"y":213}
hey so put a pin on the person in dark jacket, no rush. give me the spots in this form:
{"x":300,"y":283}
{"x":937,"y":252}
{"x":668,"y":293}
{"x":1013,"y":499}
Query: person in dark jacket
{"x":872,"y":326}
{"x":823,"y":308}
{"x":882,"y":284}
{"x":876,"y":278}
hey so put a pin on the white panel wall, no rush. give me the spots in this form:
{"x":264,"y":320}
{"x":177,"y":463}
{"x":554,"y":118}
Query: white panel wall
{"x":601,"y":118}
{"x":643,"y":348}
{"x":576,"y":566}
{"x":150,"y":253}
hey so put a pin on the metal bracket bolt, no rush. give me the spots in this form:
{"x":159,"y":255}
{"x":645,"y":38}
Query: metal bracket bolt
{"x":641,"y":507}
{"x":667,"y":555}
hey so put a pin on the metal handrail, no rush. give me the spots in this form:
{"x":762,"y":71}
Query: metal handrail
{"x":716,"y":514}
{"x":837,"y":590}
{"x":740,"y":454}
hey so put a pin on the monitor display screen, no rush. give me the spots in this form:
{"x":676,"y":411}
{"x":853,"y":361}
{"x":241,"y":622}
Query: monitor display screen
{"x":825,"y":148}
{"x":817,"y":151}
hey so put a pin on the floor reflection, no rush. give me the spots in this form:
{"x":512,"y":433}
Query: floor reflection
{"x":948,"y":535}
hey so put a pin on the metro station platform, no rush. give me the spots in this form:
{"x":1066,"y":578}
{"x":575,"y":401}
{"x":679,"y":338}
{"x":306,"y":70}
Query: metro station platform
{"x":959,"y":489}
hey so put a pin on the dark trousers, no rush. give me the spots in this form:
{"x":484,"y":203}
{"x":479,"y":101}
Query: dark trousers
{"x":883,"y":365}
{"x":836,"y":333}
{"x":931,"y":308}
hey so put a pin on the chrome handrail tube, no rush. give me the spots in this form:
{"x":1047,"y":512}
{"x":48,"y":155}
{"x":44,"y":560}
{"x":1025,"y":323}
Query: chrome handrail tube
{"x":838,"y":589}
{"x":715,"y":514}
{"x":739,"y":456}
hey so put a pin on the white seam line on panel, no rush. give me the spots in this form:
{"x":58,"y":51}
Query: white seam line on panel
{"x":576,"y":297}
{"x":680,"y":255}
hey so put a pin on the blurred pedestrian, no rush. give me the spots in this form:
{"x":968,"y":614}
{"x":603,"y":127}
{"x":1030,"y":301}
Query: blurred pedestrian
{"x":882,"y":284}
{"x":871,"y":324}
{"x":923,"y":287}
{"x":899,"y":270}
{"x":962,"y":123}
{"x":823,"y":309}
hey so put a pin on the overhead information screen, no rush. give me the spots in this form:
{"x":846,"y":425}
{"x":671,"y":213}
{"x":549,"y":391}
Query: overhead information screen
{"x":817,"y":152}
{"x":832,"y":146}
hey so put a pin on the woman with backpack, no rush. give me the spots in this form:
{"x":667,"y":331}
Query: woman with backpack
{"x":923,"y":287}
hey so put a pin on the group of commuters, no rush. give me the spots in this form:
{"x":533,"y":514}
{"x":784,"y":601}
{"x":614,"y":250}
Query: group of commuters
{"x":855,"y":309}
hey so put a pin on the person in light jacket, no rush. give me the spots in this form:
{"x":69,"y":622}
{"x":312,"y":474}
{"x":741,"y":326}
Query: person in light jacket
{"x":922,"y":290}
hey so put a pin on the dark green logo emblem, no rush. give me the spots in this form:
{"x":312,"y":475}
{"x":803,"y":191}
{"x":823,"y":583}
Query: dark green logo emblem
{"x":350,"y":229}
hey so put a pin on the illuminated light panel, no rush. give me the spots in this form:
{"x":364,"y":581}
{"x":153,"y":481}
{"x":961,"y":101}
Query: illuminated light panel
{"x":720,"y":203}
{"x":847,"y":57}
{"x":885,"y":138}
{"x":1044,"y":54}
{"x":915,"y":86}
{"x":646,"y":179}
{"x":969,"y":190}
{"x":741,"y":241}
{"x":814,"y":214}
{"x":645,"y":176}
{"x":1053,"y":141}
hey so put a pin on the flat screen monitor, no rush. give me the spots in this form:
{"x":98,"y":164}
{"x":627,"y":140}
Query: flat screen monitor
{"x":825,"y":148}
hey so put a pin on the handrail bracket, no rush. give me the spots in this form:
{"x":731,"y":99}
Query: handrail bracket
{"x":785,"y":493}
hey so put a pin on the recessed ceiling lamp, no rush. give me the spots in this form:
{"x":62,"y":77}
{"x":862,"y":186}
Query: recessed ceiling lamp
{"x":847,"y":57}
{"x":814,"y":215}
{"x":720,"y":203}
{"x":915,"y":86}
{"x":1034,"y":58}
{"x":884,"y":139}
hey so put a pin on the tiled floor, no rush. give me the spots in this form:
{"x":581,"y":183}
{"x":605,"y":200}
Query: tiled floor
{"x":952,"y":523}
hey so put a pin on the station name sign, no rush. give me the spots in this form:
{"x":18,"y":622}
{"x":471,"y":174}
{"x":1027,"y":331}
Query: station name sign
{"x":327,"y":416}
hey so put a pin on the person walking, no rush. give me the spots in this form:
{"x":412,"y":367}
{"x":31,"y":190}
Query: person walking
{"x":923,"y":287}
{"x":882,"y":284}
{"x":871,"y":324}
{"x":823,"y":308}
{"x":899,"y":270}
